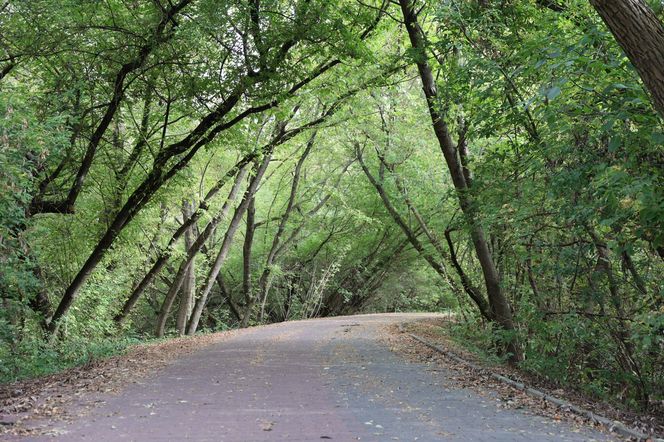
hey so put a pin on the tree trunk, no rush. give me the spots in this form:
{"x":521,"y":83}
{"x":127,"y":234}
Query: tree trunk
{"x":189,"y":284}
{"x":6,"y":70}
{"x":226,"y":245}
{"x":192,"y":251}
{"x":622,"y":329}
{"x":468,"y":286}
{"x":436,"y":265}
{"x":641,"y":35}
{"x":163,"y":258}
{"x":497,"y":300}
{"x":246,"y":263}
{"x":264,"y":281}
{"x":638,"y":281}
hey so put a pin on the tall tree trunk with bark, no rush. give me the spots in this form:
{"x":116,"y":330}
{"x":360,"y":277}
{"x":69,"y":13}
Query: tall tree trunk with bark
{"x":247,"y":288}
{"x":189,"y":284}
{"x":497,"y":300}
{"x":641,"y":35}
{"x":226,"y":245}
{"x":181,"y":275}
{"x":436,"y":265}
{"x":163,"y":257}
{"x":264,"y":281}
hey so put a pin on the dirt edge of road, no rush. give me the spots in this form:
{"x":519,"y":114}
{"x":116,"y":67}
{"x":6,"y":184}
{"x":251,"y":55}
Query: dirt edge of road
{"x":26,"y":405}
{"x":507,"y":396}
{"x":50,"y":397}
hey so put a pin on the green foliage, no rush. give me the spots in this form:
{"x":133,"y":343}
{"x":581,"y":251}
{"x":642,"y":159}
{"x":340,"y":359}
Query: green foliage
{"x":563,"y":144}
{"x":34,"y":357}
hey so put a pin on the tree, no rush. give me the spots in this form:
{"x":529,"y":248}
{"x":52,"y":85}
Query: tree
{"x":453,"y":157}
{"x":641,"y":35}
{"x":128,"y":131}
{"x":176,"y":156}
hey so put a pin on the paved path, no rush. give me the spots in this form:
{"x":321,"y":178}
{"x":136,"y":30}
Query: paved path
{"x":317,"y":380}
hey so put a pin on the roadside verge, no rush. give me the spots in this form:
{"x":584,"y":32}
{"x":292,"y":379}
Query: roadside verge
{"x":612,"y":425}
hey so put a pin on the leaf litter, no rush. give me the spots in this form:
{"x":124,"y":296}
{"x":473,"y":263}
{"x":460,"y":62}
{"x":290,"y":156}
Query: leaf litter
{"x":504,"y":395}
{"x":28,"y":406}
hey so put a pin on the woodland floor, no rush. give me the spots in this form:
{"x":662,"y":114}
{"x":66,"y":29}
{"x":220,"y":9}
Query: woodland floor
{"x":346,"y":378}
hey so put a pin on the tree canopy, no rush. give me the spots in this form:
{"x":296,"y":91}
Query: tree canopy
{"x":173,"y":166}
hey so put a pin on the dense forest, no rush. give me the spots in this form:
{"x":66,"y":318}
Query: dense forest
{"x":175,"y":166}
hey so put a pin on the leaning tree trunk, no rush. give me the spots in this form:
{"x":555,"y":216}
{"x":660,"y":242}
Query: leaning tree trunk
{"x":163,"y":257}
{"x":497,"y":300}
{"x":226,"y":245}
{"x":466,"y":282}
{"x":265,"y":279}
{"x":246,"y":263}
{"x":180,"y":277}
{"x":641,"y":35}
{"x":189,"y":284}
{"x":436,"y":265}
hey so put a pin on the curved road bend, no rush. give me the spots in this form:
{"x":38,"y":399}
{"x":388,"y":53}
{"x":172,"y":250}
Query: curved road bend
{"x":317,"y":380}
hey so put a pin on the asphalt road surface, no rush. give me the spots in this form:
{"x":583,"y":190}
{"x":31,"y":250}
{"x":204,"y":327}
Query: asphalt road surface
{"x":317,"y":380}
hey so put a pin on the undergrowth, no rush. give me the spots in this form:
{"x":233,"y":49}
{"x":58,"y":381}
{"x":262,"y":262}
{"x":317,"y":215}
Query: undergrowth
{"x":30,"y":359}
